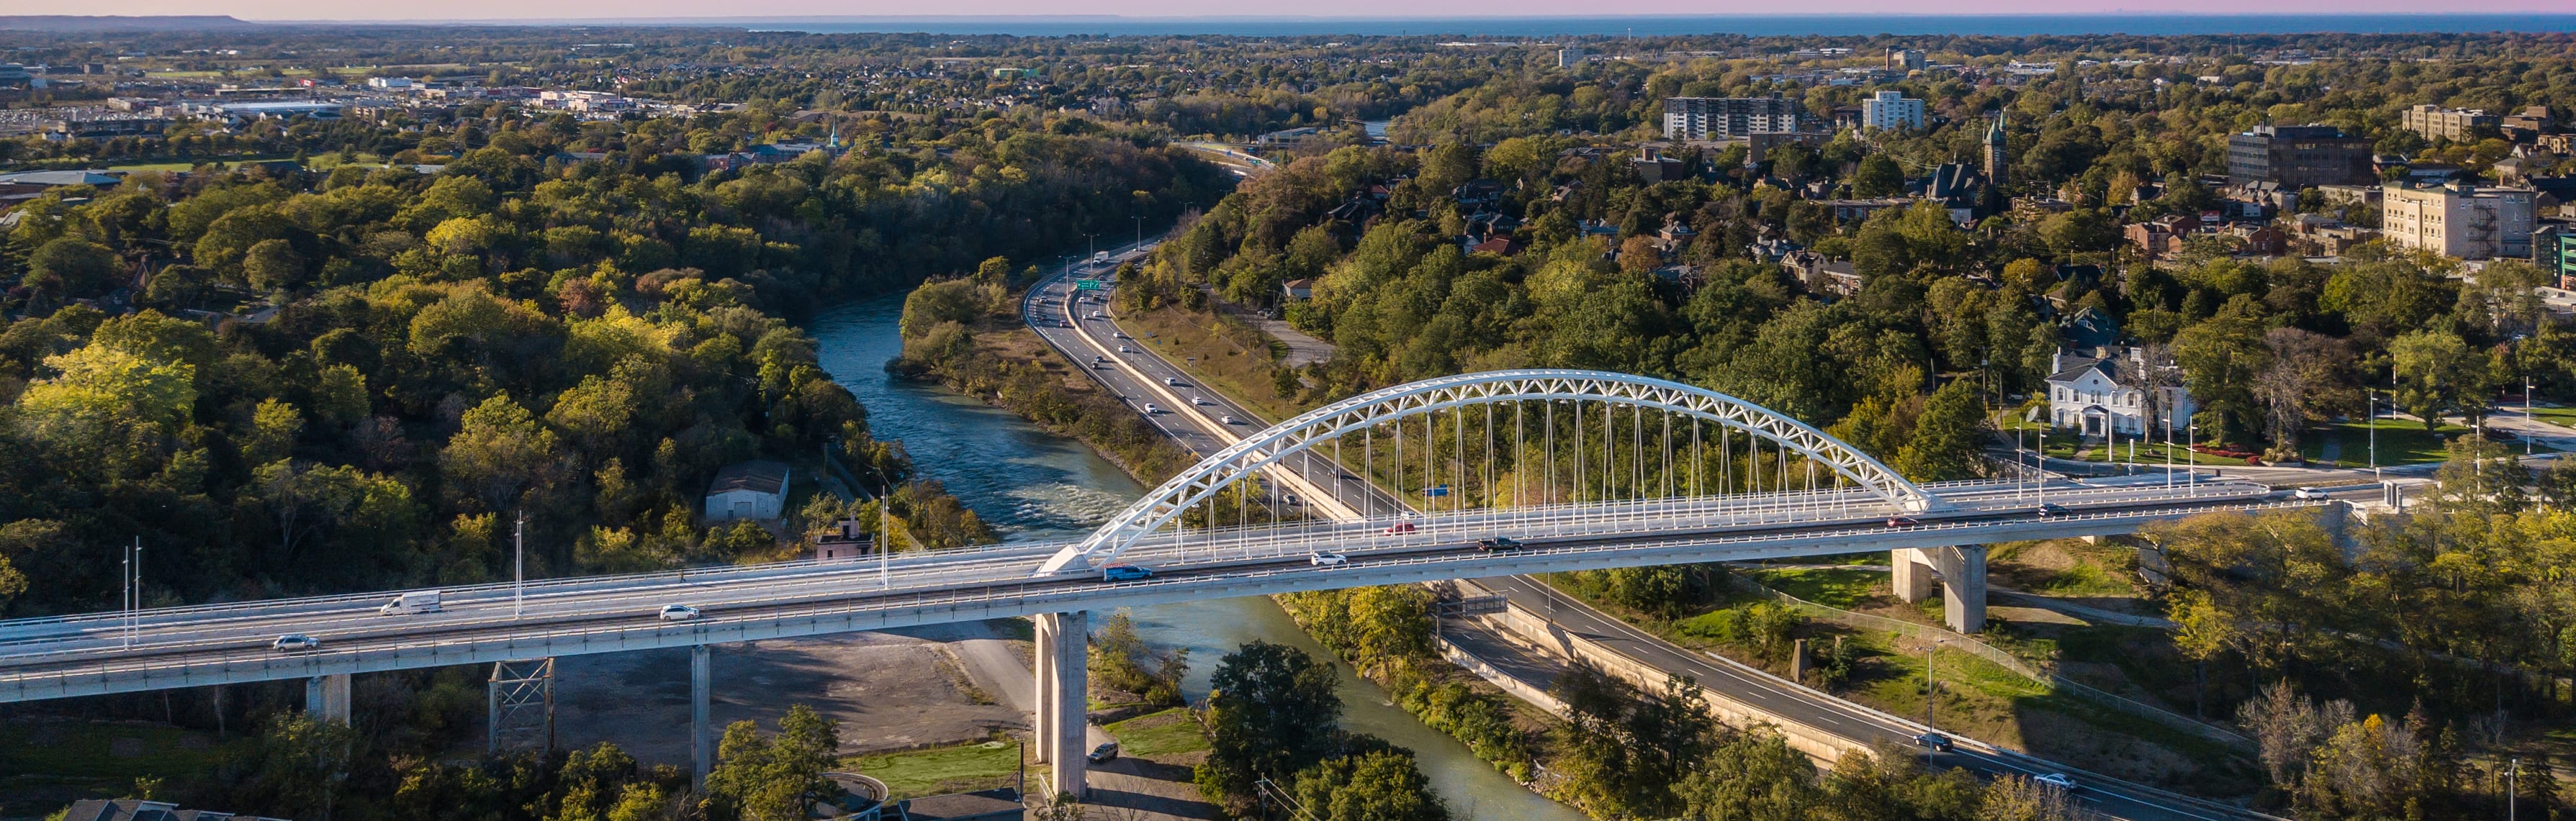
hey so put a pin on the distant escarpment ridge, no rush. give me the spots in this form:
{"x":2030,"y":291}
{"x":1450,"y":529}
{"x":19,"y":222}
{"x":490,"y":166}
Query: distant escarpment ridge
{"x":72,"y":22}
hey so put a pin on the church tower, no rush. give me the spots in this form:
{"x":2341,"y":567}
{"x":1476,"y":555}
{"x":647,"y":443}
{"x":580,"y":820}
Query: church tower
{"x":1995,"y":152}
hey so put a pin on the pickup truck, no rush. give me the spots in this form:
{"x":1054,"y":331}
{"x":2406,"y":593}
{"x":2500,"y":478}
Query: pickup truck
{"x":1493,"y":543}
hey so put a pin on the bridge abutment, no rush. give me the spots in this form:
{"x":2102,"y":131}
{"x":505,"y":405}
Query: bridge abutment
{"x":1063,"y":702}
{"x":326,"y":698}
{"x":1961,"y":572}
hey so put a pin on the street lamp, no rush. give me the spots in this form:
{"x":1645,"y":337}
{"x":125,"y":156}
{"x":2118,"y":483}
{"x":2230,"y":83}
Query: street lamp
{"x":2191,"y":478}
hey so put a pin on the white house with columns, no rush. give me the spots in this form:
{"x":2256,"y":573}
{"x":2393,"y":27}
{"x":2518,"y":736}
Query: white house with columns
{"x":2085,"y":395}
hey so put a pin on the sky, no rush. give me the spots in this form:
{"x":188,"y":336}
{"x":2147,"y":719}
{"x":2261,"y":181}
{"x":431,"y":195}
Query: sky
{"x":606,"y":10}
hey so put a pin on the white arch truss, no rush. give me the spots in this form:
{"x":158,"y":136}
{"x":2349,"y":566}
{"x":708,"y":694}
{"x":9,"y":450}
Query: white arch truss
{"x":1268,"y":449}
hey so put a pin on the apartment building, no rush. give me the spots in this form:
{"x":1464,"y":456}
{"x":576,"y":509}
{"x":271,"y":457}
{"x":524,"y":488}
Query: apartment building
{"x":1728,"y":118}
{"x":2455,"y":124}
{"x":1891,"y":110}
{"x":2459,"y":220}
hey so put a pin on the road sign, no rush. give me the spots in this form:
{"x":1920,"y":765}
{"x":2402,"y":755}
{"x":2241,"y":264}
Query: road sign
{"x":1437,"y":490}
{"x":1472,"y":606}
{"x":1087,"y":285}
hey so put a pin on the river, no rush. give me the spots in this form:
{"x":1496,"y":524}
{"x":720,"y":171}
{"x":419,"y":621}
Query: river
{"x":1028,"y":484}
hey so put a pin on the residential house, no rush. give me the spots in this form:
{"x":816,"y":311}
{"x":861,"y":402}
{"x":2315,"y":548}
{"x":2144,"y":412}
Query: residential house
{"x":748,"y":490}
{"x":2162,"y":237}
{"x":131,"y":809}
{"x":2086,"y":395}
{"x":1299,"y":290}
{"x":1653,"y":166}
{"x":1824,"y":277}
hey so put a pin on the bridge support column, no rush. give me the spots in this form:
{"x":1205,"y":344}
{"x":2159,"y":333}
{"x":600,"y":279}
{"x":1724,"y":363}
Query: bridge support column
{"x":326,"y":698}
{"x":1962,"y":575}
{"x":1063,"y":698}
{"x":702,"y":753}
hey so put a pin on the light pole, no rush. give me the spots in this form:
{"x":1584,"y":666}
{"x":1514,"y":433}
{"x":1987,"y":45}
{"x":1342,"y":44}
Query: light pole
{"x":2191,"y":477}
{"x":519,"y":565}
{"x":1140,"y":231}
{"x":2039,"y":483}
{"x":2527,"y":418}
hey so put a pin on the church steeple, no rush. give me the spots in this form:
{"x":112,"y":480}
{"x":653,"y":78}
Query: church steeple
{"x":1995,"y":158}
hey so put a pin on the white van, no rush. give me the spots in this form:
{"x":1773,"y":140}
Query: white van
{"x":418,"y":601}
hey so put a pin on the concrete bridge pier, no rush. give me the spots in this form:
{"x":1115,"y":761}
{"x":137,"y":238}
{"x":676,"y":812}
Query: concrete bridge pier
{"x":702,"y":753}
{"x":1961,"y":572}
{"x":1063,"y":698}
{"x":326,"y":698}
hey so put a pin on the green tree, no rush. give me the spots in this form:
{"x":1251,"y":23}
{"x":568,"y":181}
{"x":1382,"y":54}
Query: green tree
{"x":499,"y":452}
{"x":761,"y":777}
{"x":69,"y":267}
{"x":2437,"y":374}
{"x":1373,"y":786}
{"x":1948,"y":438}
{"x":1271,"y":712}
{"x":1878,"y":176}
{"x":2220,"y":358}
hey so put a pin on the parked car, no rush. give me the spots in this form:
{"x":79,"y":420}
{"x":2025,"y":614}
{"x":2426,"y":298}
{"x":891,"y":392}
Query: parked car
{"x":2307,"y":493}
{"x":1903,"y":521}
{"x":1400,"y":527}
{"x":1125,"y":573}
{"x":1103,"y":754}
{"x":1327,"y":559}
{"x":2058,"y":780}
{"x":677,"y":612}
{"x":1492,"y":543}
{"x":1935,"y":742}
{"x":295,"y":641}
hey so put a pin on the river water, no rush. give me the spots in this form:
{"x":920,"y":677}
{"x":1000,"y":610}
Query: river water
{"x":1030,"y":484}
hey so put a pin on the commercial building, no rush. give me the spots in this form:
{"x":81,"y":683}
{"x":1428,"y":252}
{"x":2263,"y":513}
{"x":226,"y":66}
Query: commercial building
{"x":2553,"y":249}
{"x":1891,"y":110}
{"x":2454,"y":124}
{"x":1902,"y":60}
{"x":2459,"y":220}
{"x":2300,"y":156}
{"x":1727,"y":118}
{"x":1569,"y":57}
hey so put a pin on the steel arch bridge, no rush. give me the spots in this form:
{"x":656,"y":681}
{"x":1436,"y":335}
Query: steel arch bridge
{"x":1268,"y":450}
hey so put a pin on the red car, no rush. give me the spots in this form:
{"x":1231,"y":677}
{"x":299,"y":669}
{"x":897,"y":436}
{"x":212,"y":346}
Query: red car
{"x":1903,"y":521}
{"x":1399,"y":527}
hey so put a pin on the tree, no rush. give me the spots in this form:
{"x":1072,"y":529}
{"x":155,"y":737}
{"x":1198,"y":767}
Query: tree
{"x":499,"y":452}
{"x":2308,"y":372}
{"x":774,"y":778}
{"x":1948,"y":438}
{"x":1271,"y":712}
{"x":69,"y":267}
{"x":273,"y":265}
{"x":1878,"y":176}
{"x":1374,"y":786}
{"x":1750,"y":776}
{"x":2437,"y":375}
{"x":2219,"y":358}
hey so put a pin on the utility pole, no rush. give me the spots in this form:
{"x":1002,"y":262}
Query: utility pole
{"x":2512,"y":790}
{"x":2374,"y":434}
{"x":519,"y":565}
{"x":885,"y":533}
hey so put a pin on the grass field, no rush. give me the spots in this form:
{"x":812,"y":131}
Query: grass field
{"x":942,"y":770}
{"x":2401,"y":441}
{"x":1230,"y":357}
{"x":1157,"y":735}
{"x":1831,"y":588}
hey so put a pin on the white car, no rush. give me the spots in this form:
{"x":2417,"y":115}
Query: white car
{"x":1151,"y":409}
{"x":2307,"y":493}
{"x":1125,"y":349}
{"x":677,"y":612}
{"x":1174,"y":382}
{"x":295,"y":641}
{"x":1323,"y":559}
{"x":1232,"y":421}
{"x":1202,"y":401}
{"x":2058,"y":780}
{"x":1095,"y":314}
{"x":1119,"y":335}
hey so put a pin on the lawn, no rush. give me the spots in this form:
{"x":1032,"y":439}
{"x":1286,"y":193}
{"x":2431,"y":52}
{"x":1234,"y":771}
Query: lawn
{"x":942,"y":770}
{"x":1156,"y":735}
{"x":1831,"y":588}
{"x":2401,"y":441}
{"x":113,"y":753}
{"x":1233,"y":358}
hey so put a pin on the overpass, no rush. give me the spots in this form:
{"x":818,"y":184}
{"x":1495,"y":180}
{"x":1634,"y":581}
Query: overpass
{"x":1601,"y":470}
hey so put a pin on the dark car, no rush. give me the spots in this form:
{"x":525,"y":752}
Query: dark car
{"x":1104,"y":753}
{"x":1903,"y":521}
{"x":1935,"y":742}
{"x":2052,"y":509}
{"x":1492,"y":543}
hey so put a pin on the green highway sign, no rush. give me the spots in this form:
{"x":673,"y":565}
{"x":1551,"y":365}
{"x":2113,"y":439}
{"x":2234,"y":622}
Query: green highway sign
{"x":1087,"y":285}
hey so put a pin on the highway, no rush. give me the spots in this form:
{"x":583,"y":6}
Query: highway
{"x":1139,"y":376}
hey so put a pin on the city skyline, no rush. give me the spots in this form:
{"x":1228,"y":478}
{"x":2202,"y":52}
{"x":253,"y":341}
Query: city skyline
{"x":670,"y":11}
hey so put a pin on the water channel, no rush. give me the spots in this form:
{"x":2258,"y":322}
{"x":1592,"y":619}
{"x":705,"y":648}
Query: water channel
{"x":1029,"y":483}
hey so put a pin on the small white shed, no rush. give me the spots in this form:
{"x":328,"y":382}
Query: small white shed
{"x":748,"y":490}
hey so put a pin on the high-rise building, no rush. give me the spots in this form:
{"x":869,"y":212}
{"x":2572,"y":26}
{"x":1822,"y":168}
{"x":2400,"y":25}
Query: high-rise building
{"x":1890,"y":109}
{"x":1569,"y":57}
{"x":2298,"y":156}
{"x":1727,"y":118}
{"x":2454,"y":124}
{"x":1901,"y":60}
{"x":2459,"y":220}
